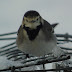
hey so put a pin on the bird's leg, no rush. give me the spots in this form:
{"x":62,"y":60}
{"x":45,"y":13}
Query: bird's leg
{"x":44,"y":64}
{"x":27,"y":56}
{"x":13,"y":69}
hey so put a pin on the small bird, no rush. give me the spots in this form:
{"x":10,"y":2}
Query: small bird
{"x":36,"y":36}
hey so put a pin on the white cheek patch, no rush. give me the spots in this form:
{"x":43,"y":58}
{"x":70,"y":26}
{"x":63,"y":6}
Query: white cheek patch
{"x":28,"y":25}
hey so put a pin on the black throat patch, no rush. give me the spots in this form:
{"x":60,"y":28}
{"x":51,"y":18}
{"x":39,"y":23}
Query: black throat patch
{"x":32,"y":33}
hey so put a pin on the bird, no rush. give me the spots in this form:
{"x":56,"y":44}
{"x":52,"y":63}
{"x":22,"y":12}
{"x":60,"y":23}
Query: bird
{"x":36,"y":36}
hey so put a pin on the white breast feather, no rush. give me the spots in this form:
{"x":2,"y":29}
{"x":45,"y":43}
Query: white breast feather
{"x":38,"y":47}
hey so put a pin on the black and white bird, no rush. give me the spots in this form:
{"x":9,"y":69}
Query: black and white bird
{"x":36,"y":36}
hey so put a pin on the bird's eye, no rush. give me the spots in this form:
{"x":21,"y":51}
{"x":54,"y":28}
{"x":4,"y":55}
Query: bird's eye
{"x":26,"y":20}
{"x":37,"y":19}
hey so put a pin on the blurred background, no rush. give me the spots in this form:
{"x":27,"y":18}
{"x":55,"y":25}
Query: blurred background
{"x":12,"y":11}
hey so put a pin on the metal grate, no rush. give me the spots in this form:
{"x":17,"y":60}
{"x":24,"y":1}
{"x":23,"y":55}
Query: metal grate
{"x":12,"y":53}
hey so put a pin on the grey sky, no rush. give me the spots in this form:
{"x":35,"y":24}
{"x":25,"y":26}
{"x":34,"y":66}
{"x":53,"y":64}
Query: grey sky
{"x":12,"y":11}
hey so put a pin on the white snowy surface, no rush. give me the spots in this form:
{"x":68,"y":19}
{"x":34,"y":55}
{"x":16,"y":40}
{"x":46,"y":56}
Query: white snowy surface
{"x":4,"y":63}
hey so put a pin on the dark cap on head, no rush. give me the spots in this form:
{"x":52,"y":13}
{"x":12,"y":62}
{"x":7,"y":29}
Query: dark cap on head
{"x":31,"y":13}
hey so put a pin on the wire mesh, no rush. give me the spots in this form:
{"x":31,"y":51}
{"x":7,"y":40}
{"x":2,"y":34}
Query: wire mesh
{"x":12,"y":53}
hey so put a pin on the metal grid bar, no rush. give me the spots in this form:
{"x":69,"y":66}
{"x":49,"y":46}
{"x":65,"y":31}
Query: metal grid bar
{"x":39,"y":63}
{"x":8,"y":34}
{"x":10,"y":52}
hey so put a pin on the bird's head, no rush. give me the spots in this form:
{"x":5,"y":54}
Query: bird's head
{"x":32,"y":23}
{"x":32,"y":19}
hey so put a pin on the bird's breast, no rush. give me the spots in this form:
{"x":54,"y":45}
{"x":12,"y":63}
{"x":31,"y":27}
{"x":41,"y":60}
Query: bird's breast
{"x":37,"y":47}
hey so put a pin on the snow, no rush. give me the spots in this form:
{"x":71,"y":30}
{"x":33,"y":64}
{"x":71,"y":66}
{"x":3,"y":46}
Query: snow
{"x":5,"y":63}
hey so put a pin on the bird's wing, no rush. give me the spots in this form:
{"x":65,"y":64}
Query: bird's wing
{"x":48,"y":29}
{"x":20,"y":36}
